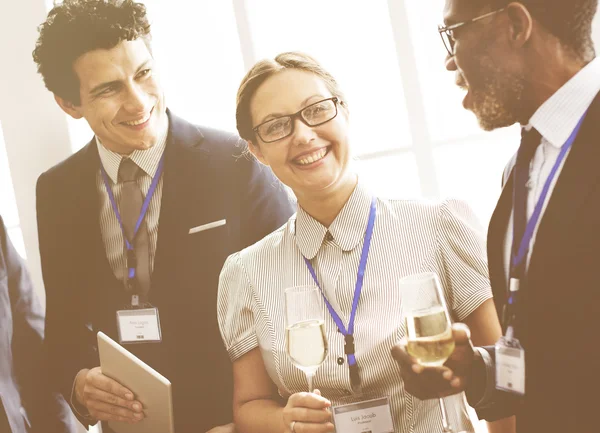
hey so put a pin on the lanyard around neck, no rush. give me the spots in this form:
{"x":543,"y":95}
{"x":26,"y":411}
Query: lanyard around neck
{"x":349,"y":332}
{"x":521,"y":246}
{"x":129,"y":242}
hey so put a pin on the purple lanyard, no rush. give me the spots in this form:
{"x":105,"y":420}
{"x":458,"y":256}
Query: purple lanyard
{"x":348,"y":333}
{"x":129,"y":242}
{"x":521,"y":248}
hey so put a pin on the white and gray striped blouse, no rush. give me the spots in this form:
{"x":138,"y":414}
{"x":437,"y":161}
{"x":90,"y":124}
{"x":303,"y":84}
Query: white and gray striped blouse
{"x":409,"y":237}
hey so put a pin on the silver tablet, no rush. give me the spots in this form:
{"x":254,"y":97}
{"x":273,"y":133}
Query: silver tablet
{"x":151,"y":388}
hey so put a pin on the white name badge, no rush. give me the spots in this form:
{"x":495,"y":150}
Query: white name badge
{"x":370,"y":416}
{"x":139,"y":326}
{"x":510,"y":367}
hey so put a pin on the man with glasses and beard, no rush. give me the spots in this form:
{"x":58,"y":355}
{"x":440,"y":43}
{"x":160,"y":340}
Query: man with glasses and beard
{"x":532,"y":62}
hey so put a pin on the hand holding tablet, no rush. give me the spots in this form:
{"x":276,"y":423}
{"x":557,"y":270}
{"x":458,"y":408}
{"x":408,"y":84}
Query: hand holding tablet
{"x":105,"y":399}
{"x":148,"y":386}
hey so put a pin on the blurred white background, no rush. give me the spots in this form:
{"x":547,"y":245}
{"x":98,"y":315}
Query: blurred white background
{"x":411,"y":136}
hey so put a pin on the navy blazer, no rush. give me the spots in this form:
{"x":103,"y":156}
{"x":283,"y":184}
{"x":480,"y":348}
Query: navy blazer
{"x":206,"y":179}
{"x":559,"y":322}
{"x":26,"y":402}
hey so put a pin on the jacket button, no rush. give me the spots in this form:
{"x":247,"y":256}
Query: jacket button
{"x":340,"y":360}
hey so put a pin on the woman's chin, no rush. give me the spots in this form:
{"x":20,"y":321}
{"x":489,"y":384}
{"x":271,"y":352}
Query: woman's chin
{"x":321,"y":183}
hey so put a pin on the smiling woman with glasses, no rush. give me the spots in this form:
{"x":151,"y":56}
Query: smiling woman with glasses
{"x":447,"y":32}
{"x":352,"y":248}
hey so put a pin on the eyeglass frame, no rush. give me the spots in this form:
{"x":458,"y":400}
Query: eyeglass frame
{"x":449,"y":29}
{"x":297,"y":114}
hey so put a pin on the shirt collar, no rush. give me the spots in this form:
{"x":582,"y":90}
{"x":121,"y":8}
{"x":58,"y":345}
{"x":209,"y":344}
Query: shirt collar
{"x":556,"y":118}
{"x":147,"y":159}
{"x":347,"y":229}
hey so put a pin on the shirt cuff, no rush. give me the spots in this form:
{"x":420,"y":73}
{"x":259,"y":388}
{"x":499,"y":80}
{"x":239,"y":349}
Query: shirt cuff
{"x":79,"y":409}
{"x":490,"y":379}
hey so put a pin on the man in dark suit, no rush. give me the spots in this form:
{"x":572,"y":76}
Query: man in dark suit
{"x":209,"y":199}
{"x":26,"y":402}
{"x":533,"y":62}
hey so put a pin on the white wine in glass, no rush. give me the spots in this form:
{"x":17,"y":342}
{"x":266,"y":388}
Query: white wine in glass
{"x":429,"y":336}
{"x":428,"y":325}
{"x":306,"y":342}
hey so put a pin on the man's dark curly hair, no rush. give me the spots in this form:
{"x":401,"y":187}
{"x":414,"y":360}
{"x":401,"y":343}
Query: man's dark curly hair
{"x":75,"y":27}
{"x":568,"y":20}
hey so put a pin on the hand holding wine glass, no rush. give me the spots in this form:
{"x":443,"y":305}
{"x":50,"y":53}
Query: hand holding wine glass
{"x":307,"y":411}
{"x":306,"y":345}
{"x":434,"y":382}
{"x":428,"y":326}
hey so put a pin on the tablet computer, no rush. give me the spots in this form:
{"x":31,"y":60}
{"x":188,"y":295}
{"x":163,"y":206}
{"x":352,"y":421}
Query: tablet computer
{"x":149,"y":387}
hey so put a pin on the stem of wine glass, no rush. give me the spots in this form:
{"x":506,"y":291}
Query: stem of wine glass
{"x":309,"y":378}
{"x":447,"y":428}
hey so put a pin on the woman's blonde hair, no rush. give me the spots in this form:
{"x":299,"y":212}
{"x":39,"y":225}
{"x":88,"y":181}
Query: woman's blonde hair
{"x":265,"y":69}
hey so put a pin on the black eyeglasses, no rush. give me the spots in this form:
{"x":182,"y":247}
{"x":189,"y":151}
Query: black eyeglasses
{"x":447,"y":32}
{"x":313,"y":115}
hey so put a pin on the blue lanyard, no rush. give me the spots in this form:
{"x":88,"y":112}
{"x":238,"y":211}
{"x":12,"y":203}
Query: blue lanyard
{"x":129,"y":242}
{"x":348,"y":333}
{"x":518,"y":255}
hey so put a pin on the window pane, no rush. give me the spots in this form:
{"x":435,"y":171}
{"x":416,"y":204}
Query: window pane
{"x":8,"y":204}
{"x":472,"y":169}
{"x":80,"y":132}
{"x":443,"y":99}
{"x":392,"y":176}
{"x":198,"y":54}
{"x":16,"y":237}
{"x":354,"y":41}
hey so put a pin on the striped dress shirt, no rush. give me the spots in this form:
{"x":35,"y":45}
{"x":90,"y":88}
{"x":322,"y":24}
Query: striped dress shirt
{"x":112,"y":236}
{"x":409,"y":237}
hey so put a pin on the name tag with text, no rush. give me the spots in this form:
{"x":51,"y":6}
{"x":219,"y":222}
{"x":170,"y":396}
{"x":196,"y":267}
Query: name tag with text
{"x":510,"y":367}
{"x":139,"y":326}
{"x":370,"y":416}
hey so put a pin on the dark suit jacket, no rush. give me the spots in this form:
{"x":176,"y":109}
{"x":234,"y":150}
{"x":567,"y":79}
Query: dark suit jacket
{"x":559,"y":323}
{"x":23,"y":389}
{"x":205,"y":180}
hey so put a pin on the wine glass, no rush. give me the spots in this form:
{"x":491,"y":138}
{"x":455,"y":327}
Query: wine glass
{"x":306,"y":342}
{"x":428,"y":325}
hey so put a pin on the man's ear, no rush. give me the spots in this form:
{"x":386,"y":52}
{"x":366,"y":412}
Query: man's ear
{"x":68,"y":107}
{"x":255,"y":150}
{"x":521,"y":24}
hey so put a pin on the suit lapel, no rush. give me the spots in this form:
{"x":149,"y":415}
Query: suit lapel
{"x":88,"y":214}
{"x":579,"y":177}
{"x":185,"y":162}
{"x":496,"y":242}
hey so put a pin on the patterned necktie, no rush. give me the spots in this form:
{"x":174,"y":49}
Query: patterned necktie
{"x":130,"y":207}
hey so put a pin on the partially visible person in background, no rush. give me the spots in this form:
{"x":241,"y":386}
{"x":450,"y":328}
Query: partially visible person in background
{"x":533,"y":63}
{"x":27,"y":403}
{"x":296,"y":120}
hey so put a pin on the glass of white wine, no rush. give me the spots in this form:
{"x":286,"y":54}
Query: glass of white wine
{"x":306,"y":341}
{"x":428,"y":325}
